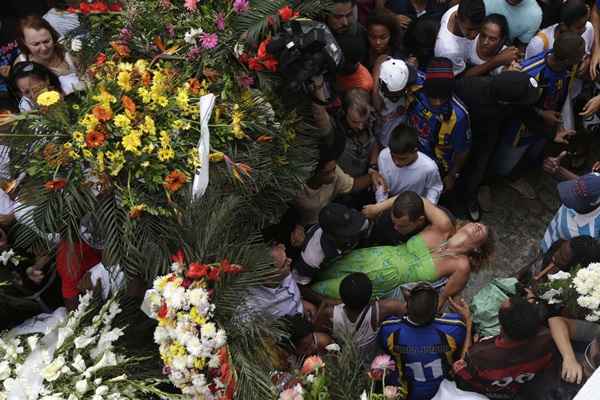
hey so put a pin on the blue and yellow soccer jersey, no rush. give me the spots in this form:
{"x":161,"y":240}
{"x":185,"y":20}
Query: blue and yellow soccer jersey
{"x":443,"y":131}
{"x":555,"y":87}
{"x":423,"y":354}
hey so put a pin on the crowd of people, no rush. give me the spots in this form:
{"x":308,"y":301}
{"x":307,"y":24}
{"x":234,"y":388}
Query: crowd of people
{"x":433,"y":102}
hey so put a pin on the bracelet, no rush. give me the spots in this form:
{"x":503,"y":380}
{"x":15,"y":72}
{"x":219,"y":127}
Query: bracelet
{"x":374,"y":167}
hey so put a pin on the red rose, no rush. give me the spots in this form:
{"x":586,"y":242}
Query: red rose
{"x":179,"y":257}
{"x":197,"y":271}
{"x":213,"y":274}
{"x":163,"y":311}
{"x":286,"y":13}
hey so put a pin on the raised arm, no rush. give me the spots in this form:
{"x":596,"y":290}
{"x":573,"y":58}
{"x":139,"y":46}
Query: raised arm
{"x":438,"y":218}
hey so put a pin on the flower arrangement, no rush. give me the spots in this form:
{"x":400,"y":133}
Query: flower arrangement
{"x":578,"y":291}
{"x":76,"y":359}
{"x":136,"y":133}
{"x":380,"y":366}
{"x":96,"y":6}
{"x":192,"y":347}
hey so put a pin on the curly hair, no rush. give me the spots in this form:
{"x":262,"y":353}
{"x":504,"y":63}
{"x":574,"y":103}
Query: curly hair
{"x":483,"y":255}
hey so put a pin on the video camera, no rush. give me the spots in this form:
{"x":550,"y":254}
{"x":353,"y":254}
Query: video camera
{"x":304,"y":49}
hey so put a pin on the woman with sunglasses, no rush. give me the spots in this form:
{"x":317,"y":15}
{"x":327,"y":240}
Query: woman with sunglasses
{"x":439,"y":251}
{"x":39,"y":43}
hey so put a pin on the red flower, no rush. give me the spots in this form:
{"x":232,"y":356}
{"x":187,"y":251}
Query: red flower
{"x":115,"y":7}
{"x":179,"y":257}
{"x":262,"y":48}
{"x":187,"y":283}
{"x":55,"y":184}
{"x":101,"y":59}
{"x":197,"y":271}
{"x":163,"y":311}
{"x":271,"y":64}
{"x":99,"y":6}
{"x":230,"y":268}
{"x":254,"y":64}
{"x":286,"y":13}
{"x":213,"y":274}
{"x":226,"y":376}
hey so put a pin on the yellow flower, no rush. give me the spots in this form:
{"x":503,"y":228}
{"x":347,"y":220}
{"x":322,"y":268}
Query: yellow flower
{"x":73,"y":155}
{"x":199,"y":363}
{"x":176,"y":349}
{"x":87,"y":153}
{"x":131,"y":142}
{"x":122,"y":121}
{"x":193,"y":159}
{"x":89,"y":122}
{"x":75,"y":106}
{"x":48,"y":98}
{"x":236,"y":123}
{"x":105,"y":98}
{"x":78,"y":136}
{"x":216,"y":156}
{"x":149,"y":148}
{"x":161,"y":100}
{"x":180,"y":124}
{"x":140,"y":66}
{"x":117,"y":161}
{"x":149,"y":126}
{"x":124,"y":81}
{"x":67,"y":146}
{"x":125,"y":67}
{"x":165,"y":154}
{"x":196,"y":317}
{"x":182,"y":98}
{"x":145,"y":95}
{"x":145,"y":164}
{"x":165,"y":139}
{"x":100,"y":161}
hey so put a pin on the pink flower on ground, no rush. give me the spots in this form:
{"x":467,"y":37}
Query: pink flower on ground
{"x":220,"y":21}
{"x":380,"y":364}
{"x":246,"y":81}
{"x":311,"y":364}
{"x":191,"y":5}
{"x":240,"y":6}
{"x":209,"y":40}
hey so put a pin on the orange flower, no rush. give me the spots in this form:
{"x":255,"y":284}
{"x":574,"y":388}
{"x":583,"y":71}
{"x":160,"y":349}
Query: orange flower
{"x":147,"y":78}
{"x":54,"y":155}
{"x":128,"y":104}
{"x":120,"y":48}
{"x":312,"y":363}
{"x":95,"y":139}
{"x":286,"y":13}
{"x":175,"y":180}
{"x":55,"y":184}
{"x":101,"y":59}
{"x":195,"y":86}
{"x":264,"y":138}
{"x":102,"y":114}
{"x":136,"y":211}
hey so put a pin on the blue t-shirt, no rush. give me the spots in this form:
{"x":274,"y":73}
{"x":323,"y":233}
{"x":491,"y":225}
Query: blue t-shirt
{"x":524,"y":19}
{"x":443,"y":130}
{"x":423,"y":354}
{"x":555,"y":87}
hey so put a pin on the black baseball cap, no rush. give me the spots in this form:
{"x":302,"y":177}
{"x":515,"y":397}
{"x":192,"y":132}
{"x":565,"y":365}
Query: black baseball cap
{"x":516,"y":88}
{"x":342,"y":222}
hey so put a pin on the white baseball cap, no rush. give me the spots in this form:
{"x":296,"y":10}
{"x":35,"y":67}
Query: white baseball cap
{"x":395,"y":74}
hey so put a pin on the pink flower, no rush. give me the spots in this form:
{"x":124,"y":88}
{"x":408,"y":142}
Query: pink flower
{"x":209,"y":40}
{"x":380,"y":364}
{"x":125,"y":34}
{"x":311,"y":364}
{"x":290,"y":394}
{"x":391,"y":392}
{"x":240,"y":6}
{"x":194,"y":53}
{"x":166,"y":4}
{"x":170,"y":30}
{"x":191,"y":5}
{"x":220,"y":21}
{"x":246,"y":81}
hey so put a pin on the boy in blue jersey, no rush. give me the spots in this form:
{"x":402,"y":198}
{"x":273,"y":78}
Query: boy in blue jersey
{"x":552,"y":70}
{"x":442,"y":121}
{"x":423,"y":346}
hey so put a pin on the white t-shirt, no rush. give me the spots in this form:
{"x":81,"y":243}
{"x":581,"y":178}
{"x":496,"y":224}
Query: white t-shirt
{"x":449,"y":45}
{"x":421,"y":177}
{"x":474,"y":59}
{"x":544,"y":40}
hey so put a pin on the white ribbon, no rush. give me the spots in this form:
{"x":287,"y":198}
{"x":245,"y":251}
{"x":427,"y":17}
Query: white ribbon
{"x":200,"y":183}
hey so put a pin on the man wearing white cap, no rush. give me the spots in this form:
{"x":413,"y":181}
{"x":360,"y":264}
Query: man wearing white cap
{"x":394,"y":80}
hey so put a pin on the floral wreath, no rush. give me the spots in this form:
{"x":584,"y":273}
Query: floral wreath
{"x":192,"y":346}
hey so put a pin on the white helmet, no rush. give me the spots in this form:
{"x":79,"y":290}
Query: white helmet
{"x":395,"y":74}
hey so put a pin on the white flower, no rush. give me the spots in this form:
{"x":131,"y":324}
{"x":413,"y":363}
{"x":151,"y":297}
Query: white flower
{"x":560,"y":275}
{"x":4,"y":370}
{"x":332,"y":347}
{"x":191,"y":35}
{"x":82,"y":386}
{"x":97,"y":381}
{"x":310,"y":378}
{"x":108,"y":360}
{"x":78,"y":363}
{"x":83,"y":341}
{"x":592,"y":318}
{"x":32,"y":342}
{"x":53,"y":371}
{"x":119,"y":378}
{"x":199,"y":298}
{"x":220,"y":338}
{"x":6,"y":256}
{"x":179,"y":363}
{"x":214,"y":361}
{"x":208,"y":330}
{"x":76,"y":45}
{"x":101,"y":390}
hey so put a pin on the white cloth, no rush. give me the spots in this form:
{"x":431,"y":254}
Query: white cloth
{"x":421,"y":177}
{"x":537,"y":45}
{"x":449,"y":391}
{"x":590,"y":390}
{"x":200,"y":183}
{"x":474,"y":59}
{"x":284,"y":300}
{"x":7,"y":205}
{"x":112,"y":281}
{"x":41,"y":323}
{"x":63,"y":22}
{"x":363,"y":335}
{"x":451,"y":46}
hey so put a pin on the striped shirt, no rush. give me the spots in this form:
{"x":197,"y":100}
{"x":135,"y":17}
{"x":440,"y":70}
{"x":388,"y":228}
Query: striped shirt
{"x":567,"y":224}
